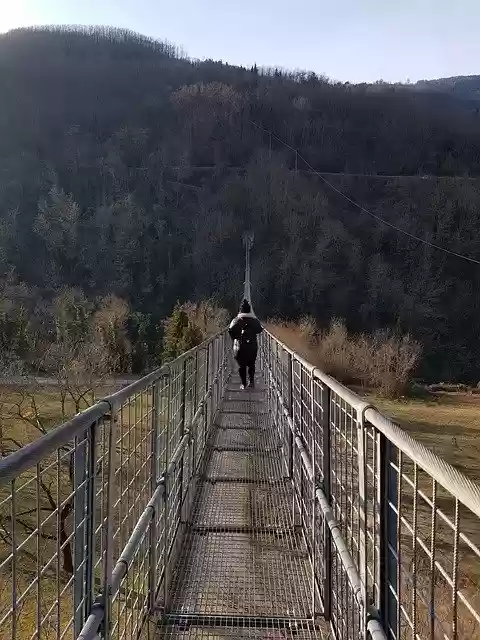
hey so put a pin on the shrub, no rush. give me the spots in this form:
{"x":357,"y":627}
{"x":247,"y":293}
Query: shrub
{"x":189,"y":325}
{"x":391,"y":361}
{"x":336,"y":354}
{"x":383,"y":361}
{"x":308,"y":329}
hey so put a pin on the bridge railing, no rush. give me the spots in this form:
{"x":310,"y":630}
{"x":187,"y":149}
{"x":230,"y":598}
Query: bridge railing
{"x":393,"y":531}
{"x":92,"y":514}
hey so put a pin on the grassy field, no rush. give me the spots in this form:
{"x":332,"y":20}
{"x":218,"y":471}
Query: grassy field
{"x":447,"y":423}
{"x":25,"y":411}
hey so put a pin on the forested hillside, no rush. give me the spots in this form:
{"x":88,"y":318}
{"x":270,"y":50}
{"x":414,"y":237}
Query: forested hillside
{"x":126,"y":169}
{"x":465,"y":87}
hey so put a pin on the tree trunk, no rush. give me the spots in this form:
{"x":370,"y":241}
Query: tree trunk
{"x":67,"y":549}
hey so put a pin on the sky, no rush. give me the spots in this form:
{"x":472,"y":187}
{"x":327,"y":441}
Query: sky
{"x":354,"y":40}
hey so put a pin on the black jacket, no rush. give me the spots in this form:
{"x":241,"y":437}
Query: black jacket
{"x":245,"y":329}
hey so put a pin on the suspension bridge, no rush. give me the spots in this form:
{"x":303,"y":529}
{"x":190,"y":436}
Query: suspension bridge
{"x":184,"y":507}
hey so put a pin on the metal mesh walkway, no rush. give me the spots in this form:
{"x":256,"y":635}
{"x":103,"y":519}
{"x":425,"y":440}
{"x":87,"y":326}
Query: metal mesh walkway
{"x":244,"y":570}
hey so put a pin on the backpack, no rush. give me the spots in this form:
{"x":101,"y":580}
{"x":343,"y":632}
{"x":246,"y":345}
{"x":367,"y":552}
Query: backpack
{"x":246,"y":337}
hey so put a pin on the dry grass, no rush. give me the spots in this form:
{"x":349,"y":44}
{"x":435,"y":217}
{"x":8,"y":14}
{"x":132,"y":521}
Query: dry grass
{"x":14,"y":402}
{"x":447,"y":423}
{"x":383,"y":361}
{"x":27,"y":411}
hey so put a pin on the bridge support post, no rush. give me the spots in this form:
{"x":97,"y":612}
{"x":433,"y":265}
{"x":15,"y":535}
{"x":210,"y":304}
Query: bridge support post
{"x":194,"y":435}
{"x":362,"y":501}
{"x":181,"y":506}
{"x":207,"y":384}
{"x":291,"y":441}
{"x":81,"y":542}
{"x":154,"y":476}
{"x":111,"y":455}
{"x":388,"y":542}
{"x":327,"y":536}
{"x":90,"y":518}
{"x":313,"y":496}
{"x":166,"y":497}
{"x":299,"y":431}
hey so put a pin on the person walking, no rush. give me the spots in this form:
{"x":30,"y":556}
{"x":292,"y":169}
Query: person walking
{"x":244,"y":330}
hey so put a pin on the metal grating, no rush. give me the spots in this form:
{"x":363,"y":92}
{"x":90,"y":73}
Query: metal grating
{"x":236,"y":394}
{"x":236,"y":505}
{"x":243,"y":574}
{"x":247,"y":466}
{"x":244,"y":570}
{"x":226,"y":505}
{"x":244,"y":420}
{"x":248,"y":405}
{"x":270,"y":629}
{"x":239,"y":634}
{"x":249,"y":438}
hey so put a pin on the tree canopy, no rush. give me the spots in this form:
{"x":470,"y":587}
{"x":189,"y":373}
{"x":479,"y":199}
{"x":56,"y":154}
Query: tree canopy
{"x":128,"y":170}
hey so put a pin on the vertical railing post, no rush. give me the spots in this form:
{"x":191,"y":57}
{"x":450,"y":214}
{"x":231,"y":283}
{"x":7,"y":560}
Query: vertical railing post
{"x":195,"y":378}
{"x":302,"y":473}
{"x":388,"y":533}
{"x":207,"y":399}
{"x":313,"y":492}
{"x":362,"y":502}
{"x":80,"y":517}
{"x":212,"y":383}
{"x":290,"y":413}
{"x":90,"y":517}
{"x":271,"y":355}
{"x":108,"y":567}
{"x":152,"y":575}
{"x":326,"y":472}
{"x":215,"y":373}
{"x":192,"y":441}
{"x":182,"y":433}
{"x":223,"y":363}
{"x":194,"y":435}
{"x":297,"y":513}
{"x":166,"y":498}
{"x":273,"y":403}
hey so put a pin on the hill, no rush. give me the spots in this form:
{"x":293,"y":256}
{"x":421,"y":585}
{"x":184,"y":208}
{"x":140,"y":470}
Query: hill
{"x":463,"y":87}
{"x":128,"y":169}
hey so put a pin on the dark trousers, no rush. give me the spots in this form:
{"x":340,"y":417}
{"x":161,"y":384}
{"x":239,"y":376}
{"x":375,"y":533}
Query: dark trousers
{"x":246,"y":362}
{"x":242,"y":370}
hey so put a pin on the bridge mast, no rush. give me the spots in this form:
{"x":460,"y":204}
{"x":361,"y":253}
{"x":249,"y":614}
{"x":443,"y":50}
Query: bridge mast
{"x":248,"y":244}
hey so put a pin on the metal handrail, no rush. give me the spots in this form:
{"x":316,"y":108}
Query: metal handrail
{"x":460,"y":486}
{"x":106,"y":491}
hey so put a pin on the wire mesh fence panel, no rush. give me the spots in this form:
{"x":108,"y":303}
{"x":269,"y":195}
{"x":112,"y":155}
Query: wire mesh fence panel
{"x":44,"y":532}
{"x":319,"y":507}
{"x":90,"y":511}
{"x":393,"y":531}
{"x":432,"y":543}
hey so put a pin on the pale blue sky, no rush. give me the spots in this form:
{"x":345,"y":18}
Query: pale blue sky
{"x":352,"y":40}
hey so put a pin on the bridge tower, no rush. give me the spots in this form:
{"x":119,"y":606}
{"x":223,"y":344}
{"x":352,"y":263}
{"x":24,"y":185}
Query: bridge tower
{"x":248,"y":244}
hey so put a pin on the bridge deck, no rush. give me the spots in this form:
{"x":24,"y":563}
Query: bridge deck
{"x":243,"y":571}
